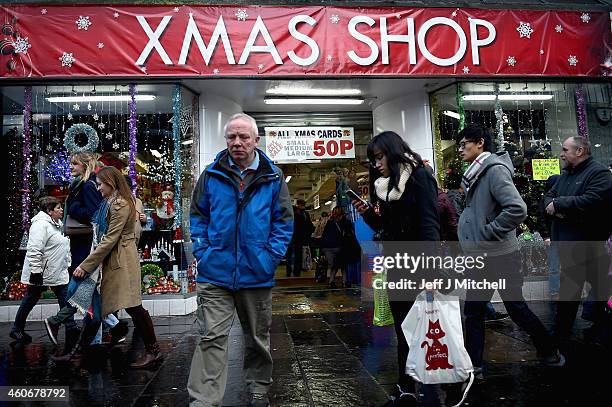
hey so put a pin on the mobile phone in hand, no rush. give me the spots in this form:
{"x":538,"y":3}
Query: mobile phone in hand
{"x":354,"y":196}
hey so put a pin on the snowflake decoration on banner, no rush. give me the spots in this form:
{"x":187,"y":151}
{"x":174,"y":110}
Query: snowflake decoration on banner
{"x":216,"y":71}
{"x":69,"y":116}
{"x":260,"y":66}
{"x":76,"y":106}
{"x":67,"y":59}
{"x":21,"y":45}
{"x":143,"y":69}
{"x":329,"y":58}
{"x":454,"y":13}
{"x":101,"y":126}
{"x":511,"y":61}
{"x":96,"y":117}
{"x":334,"y":19}
{"x":100,"y":45}
{"x":241,"y":14}
{"x":176,"y":9}
{"x":116,"y":15}
{"x":525,"y":30}
{"x":43,"y":11}
{"x":558,"y":28}
{"x":83,"y":23}
{"x":109,"y":136}
{"x":572,"y":60}
{"x":585,"y":17}
{"x":541,"y":52}
{"x":466,"y":69}
{"x":115,"y":146}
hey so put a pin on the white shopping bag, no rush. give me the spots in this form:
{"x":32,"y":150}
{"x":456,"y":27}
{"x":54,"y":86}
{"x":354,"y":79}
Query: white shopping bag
{"x":435,"y":337}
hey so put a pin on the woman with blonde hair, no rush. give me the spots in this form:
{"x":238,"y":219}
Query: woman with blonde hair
{"x":115,"y":257}
{"x":81,"y":204}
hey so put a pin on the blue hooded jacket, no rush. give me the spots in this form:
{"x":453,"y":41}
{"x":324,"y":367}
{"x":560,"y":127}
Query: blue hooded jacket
{"x":240,"y":237}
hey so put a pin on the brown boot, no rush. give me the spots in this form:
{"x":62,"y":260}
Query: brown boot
{"x":150,"y":358}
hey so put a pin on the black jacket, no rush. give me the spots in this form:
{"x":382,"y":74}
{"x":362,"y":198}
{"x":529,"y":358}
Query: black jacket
{"x":413,"y":217}
{"x":583,"y":196}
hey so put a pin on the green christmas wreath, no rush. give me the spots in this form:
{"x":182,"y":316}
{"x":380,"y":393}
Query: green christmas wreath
{"x":75,"y":130}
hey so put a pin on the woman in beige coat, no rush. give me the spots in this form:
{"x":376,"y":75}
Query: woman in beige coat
{"x":116,"y":251}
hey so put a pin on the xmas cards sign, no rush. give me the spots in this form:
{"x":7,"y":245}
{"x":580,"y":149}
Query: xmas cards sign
{"x":290,"y":144}
{"x":249,"y":41}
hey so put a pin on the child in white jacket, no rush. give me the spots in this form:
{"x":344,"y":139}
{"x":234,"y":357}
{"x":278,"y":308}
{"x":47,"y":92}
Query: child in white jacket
{"x":46,"y":264}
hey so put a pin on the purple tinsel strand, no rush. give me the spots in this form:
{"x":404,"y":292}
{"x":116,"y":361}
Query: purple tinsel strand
{"x":581,"y":111}
{"x":176,"y":110}
{"x":27,"y":116}
{"x":132,"y":128}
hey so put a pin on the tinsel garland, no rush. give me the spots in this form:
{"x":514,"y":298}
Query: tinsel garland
{"x":176,"y":134}
{"x":27,"y":160}
{"x":460,"y":107}
{"x":435,"y":112}
{"x":581,"y":111}
{"x":132,"y":130}
{"x":499,"y":115}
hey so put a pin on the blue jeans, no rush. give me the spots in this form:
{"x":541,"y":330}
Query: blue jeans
{"x":507,"y":266}
{"x":554,"y":277}
{"x":31,"y":299}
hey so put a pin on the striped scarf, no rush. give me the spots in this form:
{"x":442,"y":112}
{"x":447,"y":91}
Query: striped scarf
{"x":83,"y":296}
{"x":473,"y":171}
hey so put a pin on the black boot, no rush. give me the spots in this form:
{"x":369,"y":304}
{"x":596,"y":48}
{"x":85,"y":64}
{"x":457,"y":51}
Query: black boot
{"x":72,"y":338}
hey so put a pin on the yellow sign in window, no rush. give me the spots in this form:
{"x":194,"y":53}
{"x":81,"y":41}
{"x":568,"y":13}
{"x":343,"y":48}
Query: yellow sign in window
{"x":544,"y":168}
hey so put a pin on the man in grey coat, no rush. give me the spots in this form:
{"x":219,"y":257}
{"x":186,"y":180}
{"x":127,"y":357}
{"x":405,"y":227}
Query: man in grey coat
{"x":487,"y":227}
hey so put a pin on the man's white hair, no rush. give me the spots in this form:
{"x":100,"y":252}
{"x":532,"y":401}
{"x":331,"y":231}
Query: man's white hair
{"x":243,"y":116}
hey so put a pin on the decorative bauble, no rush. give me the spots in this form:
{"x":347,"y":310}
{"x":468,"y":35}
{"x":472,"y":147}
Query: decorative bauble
{"x":74,"y":131}
{"x":7,"y":47}
{"x":11,"y":65}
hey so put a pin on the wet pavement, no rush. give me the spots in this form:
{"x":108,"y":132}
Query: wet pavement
{"x":326,"y":353}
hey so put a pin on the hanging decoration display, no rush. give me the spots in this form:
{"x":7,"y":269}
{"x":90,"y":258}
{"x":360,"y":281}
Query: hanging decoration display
{"x":581,"y":111}
{"x":27,"y":159}
{"x":132,"y":130}
{"x":58,"y":169}
{"x":176,"y":135}
{"x":435,"y":112}
{"x":499,"y":116}
{"x":74,"y":131}
{"x":460,"y":107}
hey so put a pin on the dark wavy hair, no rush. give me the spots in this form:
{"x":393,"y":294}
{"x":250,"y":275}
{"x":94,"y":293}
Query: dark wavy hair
{"x":476,"y":132}
{"x":395,"y":149}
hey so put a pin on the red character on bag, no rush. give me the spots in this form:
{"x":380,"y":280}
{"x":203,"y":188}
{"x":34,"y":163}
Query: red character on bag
{"x":437,"y":353}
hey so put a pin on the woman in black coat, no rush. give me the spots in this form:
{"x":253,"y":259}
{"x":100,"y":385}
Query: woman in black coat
{"x":405,"y":196}
{"x":82,"y":202}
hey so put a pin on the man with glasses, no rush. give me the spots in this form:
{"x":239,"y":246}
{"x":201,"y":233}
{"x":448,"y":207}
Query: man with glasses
{"x":241,"y":225}
{"x":487,"y":227}
{"x":580,"y":203}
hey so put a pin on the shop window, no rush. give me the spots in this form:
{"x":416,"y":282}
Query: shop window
{"x":530,"y":121}
{"x":97,"y":116}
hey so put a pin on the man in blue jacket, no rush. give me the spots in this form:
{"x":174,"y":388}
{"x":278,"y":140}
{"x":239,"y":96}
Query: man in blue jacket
{"x":241,"y":225}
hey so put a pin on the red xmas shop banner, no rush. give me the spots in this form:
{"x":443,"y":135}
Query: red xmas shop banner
{"x":250,"y":41}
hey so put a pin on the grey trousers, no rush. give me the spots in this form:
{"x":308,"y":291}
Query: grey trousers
{"x":208,"y":374}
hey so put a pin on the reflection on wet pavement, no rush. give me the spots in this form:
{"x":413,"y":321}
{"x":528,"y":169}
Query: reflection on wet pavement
{"x":326,"y":353}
